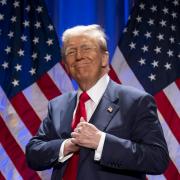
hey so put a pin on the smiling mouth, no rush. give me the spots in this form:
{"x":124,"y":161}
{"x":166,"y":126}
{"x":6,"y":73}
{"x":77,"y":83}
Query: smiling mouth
{"x":80,"y":65}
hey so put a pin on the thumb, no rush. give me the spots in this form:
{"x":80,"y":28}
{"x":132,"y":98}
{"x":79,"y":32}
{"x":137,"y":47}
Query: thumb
{"x":82,"y":119}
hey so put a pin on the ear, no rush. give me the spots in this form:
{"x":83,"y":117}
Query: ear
{"x":105,"y":59}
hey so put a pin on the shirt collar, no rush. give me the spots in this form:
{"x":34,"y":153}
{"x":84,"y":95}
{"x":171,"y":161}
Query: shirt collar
{"x":96,"y":92}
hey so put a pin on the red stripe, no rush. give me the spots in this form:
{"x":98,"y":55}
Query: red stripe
{"x":171,"y":172}
{"x":48,"y":87}
{"x":178,"y":83}
{"x":26,"y":113}
{"x":168,"y":113}
{"x":15,"y":153}
{"x":113,"y":75}
{"x":2,"y":177}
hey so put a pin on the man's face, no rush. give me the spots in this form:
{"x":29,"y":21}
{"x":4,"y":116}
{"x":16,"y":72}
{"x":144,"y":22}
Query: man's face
{"x":84,"y":59}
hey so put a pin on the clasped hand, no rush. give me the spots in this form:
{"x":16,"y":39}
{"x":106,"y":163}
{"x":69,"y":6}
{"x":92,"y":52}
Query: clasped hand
{"x":86,"y":135}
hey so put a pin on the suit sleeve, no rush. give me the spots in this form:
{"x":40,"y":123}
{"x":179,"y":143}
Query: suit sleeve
{"x":146,"y":150}
{"x":42,"y":151}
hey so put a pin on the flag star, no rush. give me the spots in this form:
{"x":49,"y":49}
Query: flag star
{"x":3,"y":2}
{"x":155,"y":63}
{"x":18,"y":67}
{"x":175,"y":2}
{"x":8,"y":50}
{"x":132,"y":45}
{"x":142,"y":61}
{"x":16,"y":4}
{"x":13,"y":19}
{"x":49,"y":42}
{"x":171,"y":40}
{"x":142,"y":6}
{"x":167,"y":66}
{"x":11,"y":34}
{"x":157,"y":50}
{"x":32,"y":71}
{"x":36,"y":40}
{"x":136,"y":32}
{"x":173,"y":27}
{"x":129,"y":17}
{"x":5,"y":65}
{"x":165,"y":10}
{"x":125,"y":30}
{"x":163,"y":23}
{"x":47,"y":57}
{"x":28,"y":8}
{"x":39,"y":9}
{"x":139,"y":19}
{"x":152,"y":77}
{"x":151,"y":22}
{"x":50,"y":27}
{"x":148,"y":35}
{"x":144,"y":48}
{"x":153,"y":8}
{"x":21,"y":52}
{"x":1,"y":17}
{"x":160,"y":36}
{"x":170,"y":53}
{"x":37,"y":25}
{"x":174,"y":15}
{"x":15,"y":82}
{"x":26,"y":23}
{"x":34,"y":56}
{"x":178,"y":56}
{"x":24,"y":38}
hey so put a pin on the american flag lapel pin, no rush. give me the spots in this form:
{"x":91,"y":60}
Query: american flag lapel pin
{"x":110,"y":109}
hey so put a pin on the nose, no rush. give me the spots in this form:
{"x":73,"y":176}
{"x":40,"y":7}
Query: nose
{"x":78,"y":54}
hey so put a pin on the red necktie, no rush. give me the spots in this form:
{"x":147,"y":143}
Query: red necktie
{"x":72,"y":166}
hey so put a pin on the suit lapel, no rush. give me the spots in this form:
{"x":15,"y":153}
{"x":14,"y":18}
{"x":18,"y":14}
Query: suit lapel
{"x":66,"y":116}
{"x":103,"y":114}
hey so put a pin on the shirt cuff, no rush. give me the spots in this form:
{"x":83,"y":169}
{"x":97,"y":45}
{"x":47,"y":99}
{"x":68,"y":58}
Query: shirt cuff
{"x":63,"y":158}
{"x":98,"y":151}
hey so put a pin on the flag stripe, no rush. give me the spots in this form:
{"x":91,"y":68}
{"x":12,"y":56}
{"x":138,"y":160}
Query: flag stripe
{"x":178,"y":83}
{"x":172,"y":173}
{"x":61,"y":78}
{"x":173,"y":94}
{"x":2,"y":177}
{"x":25,"y":111}
{"x":13,"y":122}
{"x":48,"y":87}
{"x":10,"y":172}
{"x":15,"y":153}
{"x":169,"y":115}
{"x":173,"y":145}
{"x":113,"y":75}
{"x":158,"y":177}
{"x":37,"y":100}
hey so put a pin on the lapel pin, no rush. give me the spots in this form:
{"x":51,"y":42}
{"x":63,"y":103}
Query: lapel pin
{"x":110,"y":109}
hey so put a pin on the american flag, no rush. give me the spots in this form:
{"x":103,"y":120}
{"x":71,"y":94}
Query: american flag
{"x":148,"y":57}
{"x":30,"y":75}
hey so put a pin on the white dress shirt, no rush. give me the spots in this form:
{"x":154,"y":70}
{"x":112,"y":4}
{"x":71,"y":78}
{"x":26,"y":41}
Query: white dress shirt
{"x":95,"y":94}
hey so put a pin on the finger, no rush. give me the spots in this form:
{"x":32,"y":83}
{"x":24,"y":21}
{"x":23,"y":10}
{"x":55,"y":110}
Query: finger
{"x":74,"y":134}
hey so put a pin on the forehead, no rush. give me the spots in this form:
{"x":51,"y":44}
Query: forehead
{"x":81,"y":39}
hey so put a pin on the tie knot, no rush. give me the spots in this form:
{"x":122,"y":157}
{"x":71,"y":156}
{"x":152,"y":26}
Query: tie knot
{"x":84,"y":97}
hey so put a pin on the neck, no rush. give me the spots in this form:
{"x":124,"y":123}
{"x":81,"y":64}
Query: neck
{"x":85,"y":85}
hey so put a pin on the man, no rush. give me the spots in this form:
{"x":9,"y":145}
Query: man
{"x":104,"y":130}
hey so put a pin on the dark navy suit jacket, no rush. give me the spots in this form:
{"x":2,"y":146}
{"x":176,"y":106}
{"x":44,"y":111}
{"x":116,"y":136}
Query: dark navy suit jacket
{"x":134,"y":145}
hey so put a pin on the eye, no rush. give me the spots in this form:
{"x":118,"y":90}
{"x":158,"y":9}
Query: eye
{"x":70,"y":52}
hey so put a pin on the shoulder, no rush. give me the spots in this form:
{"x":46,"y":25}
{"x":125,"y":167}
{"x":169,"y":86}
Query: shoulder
{"x":126,"y":92}
{"x":63,"y":99}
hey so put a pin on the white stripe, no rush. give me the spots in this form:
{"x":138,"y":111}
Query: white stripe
{"x":60,"y":78}
{"x":45,"y":175}
{"x":123,"y":71}
{"x":7,"y":167}
{"x":37,"y":100}
{"x":13,"y":122}
{"x":172,"y":143}
{"x":173,"y":94}
{"x":154,"y":177}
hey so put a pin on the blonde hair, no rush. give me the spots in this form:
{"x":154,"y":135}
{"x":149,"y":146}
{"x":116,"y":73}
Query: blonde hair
{"x":93,"y":30}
